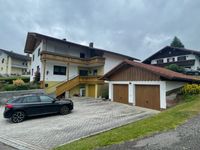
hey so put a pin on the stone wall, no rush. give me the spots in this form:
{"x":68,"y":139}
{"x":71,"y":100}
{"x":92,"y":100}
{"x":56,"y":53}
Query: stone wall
{"x":4,"y":96}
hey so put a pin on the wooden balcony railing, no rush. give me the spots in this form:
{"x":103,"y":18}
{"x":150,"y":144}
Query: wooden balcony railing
{"x":45,"y":55}
{"x":68,"y":85}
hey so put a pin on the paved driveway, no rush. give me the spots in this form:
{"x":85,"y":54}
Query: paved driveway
{"x":88,"y":117}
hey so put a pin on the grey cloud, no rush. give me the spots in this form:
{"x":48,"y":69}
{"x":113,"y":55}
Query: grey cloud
{"x":132,"y":27}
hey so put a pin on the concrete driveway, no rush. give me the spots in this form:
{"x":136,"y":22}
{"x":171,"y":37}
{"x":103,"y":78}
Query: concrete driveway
{"x":88,"y":117}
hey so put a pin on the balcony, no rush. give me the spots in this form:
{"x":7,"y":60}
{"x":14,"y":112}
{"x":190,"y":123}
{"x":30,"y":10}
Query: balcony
{"x":19,"y":66}
{"x":97,"y":60}
{"x":185,"y":63}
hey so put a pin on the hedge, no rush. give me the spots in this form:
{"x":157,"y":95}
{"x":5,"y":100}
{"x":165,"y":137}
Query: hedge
{"x":9,"y":80}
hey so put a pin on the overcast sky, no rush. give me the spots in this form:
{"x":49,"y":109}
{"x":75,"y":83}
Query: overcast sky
{"x":133,"y":27}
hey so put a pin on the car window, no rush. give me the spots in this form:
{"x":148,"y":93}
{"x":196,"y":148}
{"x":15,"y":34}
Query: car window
{"x":44,"y":98}
{"x":31,"y":99}
{"x":11,"y":100}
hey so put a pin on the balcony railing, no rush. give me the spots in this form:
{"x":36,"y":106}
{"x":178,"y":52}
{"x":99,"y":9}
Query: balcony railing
{"x":68,"y":85}
{"x":45,"y":55}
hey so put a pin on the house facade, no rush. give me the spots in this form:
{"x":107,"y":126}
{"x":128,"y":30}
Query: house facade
{"x":68,"y":68}
{"x":144,"y":85}
{"x":14,"y":64}
{"x":186,"y":58}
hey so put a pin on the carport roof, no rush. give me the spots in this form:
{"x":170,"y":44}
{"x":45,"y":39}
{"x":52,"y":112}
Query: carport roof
{"x":162,"y":72}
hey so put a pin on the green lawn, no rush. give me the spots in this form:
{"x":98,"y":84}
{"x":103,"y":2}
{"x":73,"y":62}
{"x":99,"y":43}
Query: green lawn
{"x":163,"y":121}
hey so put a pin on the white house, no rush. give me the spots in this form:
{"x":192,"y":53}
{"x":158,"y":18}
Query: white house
{"x":69,"y":68}
{"x":143,"y":85}
{"x":172,"y":55}
{"x":13,"y":63}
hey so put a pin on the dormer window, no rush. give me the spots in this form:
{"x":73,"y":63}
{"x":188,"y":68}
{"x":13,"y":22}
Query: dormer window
{"x":82,"y":55}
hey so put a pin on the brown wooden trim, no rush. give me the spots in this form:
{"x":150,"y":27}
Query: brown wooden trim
{"x":70,"y":59}
{"x":129,"y":73}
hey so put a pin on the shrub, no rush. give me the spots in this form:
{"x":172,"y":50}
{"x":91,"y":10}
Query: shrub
{"x":9,"y":80}
{"x":37,"y":77}
{"x":25,"y":86}
{"x":18,"y":82}
{"x":175,"y":68}
{"x":191,"y":89}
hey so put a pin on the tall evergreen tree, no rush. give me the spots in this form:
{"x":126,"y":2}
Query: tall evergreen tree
{"x":177,"y":43}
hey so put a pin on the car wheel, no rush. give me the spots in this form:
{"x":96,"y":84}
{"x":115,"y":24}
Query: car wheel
{"x":64,"y":110}
{"x":18,"y":117}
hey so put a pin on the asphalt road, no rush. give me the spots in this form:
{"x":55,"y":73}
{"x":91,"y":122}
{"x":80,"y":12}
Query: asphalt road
{"x":185,"y":137}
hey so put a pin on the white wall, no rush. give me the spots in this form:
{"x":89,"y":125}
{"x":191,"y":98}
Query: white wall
{"x":36,"y":63}
{"x":111,"y":61}
{"x":131,"y":92}
{"x":171,"y":85}
{"x":188,"y":57}
{"x":73,"y":71}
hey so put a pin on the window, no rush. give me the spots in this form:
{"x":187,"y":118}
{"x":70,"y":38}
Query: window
{"x":32,"y":72}
{"x":181,"y":58}
{"x":23,"y":63}
{"x":82,"y":55}
{"x":95,"y":72}
{"x":2,"y":60}
{"x":33,"y":57}
{"x":39,"y":52}
{"x":1,"y":68}
{"x":38,"y":69}
{"x":31,"y":99}
{"x":168,"y":60}
{"x":160,"y":61}
{"x":46,"y":98}
{"x":173,"y":59}
{"x":59,"y":70}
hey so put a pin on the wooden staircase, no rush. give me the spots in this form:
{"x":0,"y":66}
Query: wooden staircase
{"x":68,"y":85}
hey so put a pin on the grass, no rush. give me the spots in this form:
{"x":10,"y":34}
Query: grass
{"x":163,"y":121}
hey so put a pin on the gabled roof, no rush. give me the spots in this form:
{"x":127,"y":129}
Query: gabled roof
{"x":32,"y":38}
{"x":16,"y":55}
{"x":170,"y":48}
{"x":162,"y":72}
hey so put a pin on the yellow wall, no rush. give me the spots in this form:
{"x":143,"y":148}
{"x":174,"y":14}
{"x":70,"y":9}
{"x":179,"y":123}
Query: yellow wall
{"x":75,"y":90}
{"x":51,"y":86}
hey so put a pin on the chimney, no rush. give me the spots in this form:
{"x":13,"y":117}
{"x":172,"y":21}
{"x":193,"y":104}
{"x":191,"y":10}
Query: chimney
{"x":91,"y":44}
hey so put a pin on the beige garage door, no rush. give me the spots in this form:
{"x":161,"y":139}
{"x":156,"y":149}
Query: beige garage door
{"x":120,"y":93}
{"x":148,"y":96}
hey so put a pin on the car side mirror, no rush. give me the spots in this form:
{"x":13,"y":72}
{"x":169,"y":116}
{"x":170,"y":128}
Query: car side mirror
{"x":53,"y":101}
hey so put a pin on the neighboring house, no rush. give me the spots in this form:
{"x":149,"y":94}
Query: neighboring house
{"x":69,"y":68}
{"x":171,"y":55}
{"x":143,"y":85}
{"x":13,"y":63}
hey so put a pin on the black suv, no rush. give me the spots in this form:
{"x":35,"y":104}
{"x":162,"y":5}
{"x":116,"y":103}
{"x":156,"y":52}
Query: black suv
{"x":17,"y":109}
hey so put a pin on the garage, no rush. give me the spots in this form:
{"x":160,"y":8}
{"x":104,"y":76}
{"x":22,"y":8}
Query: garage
{"x":120,"y":93}
{"x":143,"y":85}
{"x":147,"y":96}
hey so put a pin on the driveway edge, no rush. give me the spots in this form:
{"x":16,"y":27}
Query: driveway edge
{"x":138,"y":117}
{"x":19,"y":144}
